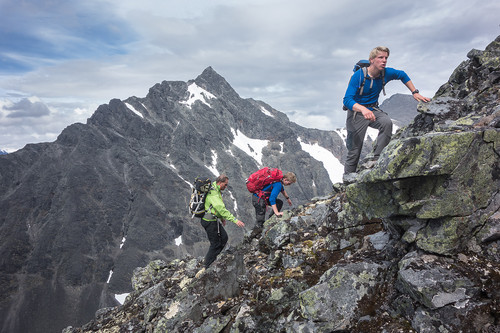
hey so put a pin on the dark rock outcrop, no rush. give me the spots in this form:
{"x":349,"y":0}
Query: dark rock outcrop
{"x":411,"y":246}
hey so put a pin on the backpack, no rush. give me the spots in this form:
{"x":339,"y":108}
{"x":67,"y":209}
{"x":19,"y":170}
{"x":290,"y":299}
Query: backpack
{"x":265,"y":176}
{"x":197,"y":202}
{"x":363,"y":65}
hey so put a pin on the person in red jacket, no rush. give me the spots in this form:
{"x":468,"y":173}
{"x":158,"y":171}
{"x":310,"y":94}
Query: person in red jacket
{"x":268,"y":196}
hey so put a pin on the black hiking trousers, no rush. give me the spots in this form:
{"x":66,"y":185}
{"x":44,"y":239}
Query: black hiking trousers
{"x":260,"y":205}
{"x":217,"y":236}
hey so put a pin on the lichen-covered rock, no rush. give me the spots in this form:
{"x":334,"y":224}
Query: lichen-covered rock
{"x":426,"y":279}
{"x":442,"y":178}
{"x":441,"y":166}
{"x":277,"y":232}
{"x":143,"y":277}
{"x":335,"y":298}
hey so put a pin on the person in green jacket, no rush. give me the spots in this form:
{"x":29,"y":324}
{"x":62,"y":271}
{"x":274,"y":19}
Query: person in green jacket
{"x":215,"y":219}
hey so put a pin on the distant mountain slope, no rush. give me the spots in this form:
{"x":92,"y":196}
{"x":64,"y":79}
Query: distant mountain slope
{"x":81,"y":213}
{"x":401,"y":108}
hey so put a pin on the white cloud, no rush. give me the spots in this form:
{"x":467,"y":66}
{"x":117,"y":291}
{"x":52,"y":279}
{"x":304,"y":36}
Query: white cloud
{"x":294,"y":55}
{"x":319,"y":121}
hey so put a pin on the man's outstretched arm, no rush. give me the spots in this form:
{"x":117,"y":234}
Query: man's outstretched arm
{"x":416,"y":95}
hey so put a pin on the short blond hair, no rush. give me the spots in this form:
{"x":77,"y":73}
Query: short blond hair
{"x":375,"y":51}
{"x":290,"y":176}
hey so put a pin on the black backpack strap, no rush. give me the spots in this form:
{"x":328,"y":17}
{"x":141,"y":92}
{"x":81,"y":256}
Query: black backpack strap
{"x":365,"y":75}
{"x":383,"y":81}
{"x":265,"y":194}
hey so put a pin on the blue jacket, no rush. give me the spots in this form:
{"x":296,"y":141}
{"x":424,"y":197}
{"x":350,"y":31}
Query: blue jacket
{"x":370,"y":96}
{"x":272,"y":190}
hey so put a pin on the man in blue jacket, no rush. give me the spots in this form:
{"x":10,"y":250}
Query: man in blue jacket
{"x":269,"y":196}
{"x":361,"y":101}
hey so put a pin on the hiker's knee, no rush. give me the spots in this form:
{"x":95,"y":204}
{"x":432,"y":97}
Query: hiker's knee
{"x":386,"y":124}
{"x":384,"y":121}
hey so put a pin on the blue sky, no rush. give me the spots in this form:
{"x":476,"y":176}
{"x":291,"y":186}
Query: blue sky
{"x":59,"y":60}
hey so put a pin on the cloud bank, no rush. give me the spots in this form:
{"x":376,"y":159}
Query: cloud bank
{"x":60,"y":59}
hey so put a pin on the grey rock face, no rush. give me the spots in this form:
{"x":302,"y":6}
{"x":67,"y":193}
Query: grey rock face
{"x":429,"y":282}
{"x":411,"y":246}
{"x":307,"y":282}
{"x":112,"y":194}
{"x":334,"y":300}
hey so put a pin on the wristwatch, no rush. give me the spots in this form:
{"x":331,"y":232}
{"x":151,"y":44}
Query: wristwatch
{"x":415,"y":92}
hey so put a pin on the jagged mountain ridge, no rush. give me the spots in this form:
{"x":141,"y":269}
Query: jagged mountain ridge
{"x":411,"y":246}
{"x":111,"y":194}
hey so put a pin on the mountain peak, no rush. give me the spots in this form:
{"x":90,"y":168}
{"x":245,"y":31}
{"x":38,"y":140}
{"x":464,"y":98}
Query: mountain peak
{"x":209,"y":71}
{"x":212,"y":81}
{"x":137,"y":155}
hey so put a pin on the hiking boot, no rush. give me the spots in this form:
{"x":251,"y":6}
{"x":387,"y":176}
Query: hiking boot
{"x":369,"y":162}
{"x":349,"y":178}
{"x":200,"y":273}
{"x":250,"y":235}
{"x":229,"y":249}
{"x":338,"y":187}
{"x":255,"y":232}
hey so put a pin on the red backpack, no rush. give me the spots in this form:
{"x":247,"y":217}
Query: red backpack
{"x":263,"y":177}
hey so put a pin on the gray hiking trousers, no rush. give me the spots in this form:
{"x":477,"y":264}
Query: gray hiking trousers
{"x":356,"y":126}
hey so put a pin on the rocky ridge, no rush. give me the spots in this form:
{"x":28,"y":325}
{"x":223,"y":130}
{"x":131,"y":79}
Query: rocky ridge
{"x":78,"y":215}
{"x":412,"y":246}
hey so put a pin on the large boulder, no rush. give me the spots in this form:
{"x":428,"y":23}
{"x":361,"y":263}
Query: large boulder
{"x":335,"y":300}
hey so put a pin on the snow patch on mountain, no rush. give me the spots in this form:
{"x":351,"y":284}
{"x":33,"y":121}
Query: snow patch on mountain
{"x":131,"y":108}
{"x":197,"y":93}
{"x":252,"y":147}
{"x":332,"y":165}
{"x":213,"y":166}
{"x":342,"y":132}
{"x":266,"y":112}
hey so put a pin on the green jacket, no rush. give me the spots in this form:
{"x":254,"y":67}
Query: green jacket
{"x":214,"y":206}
